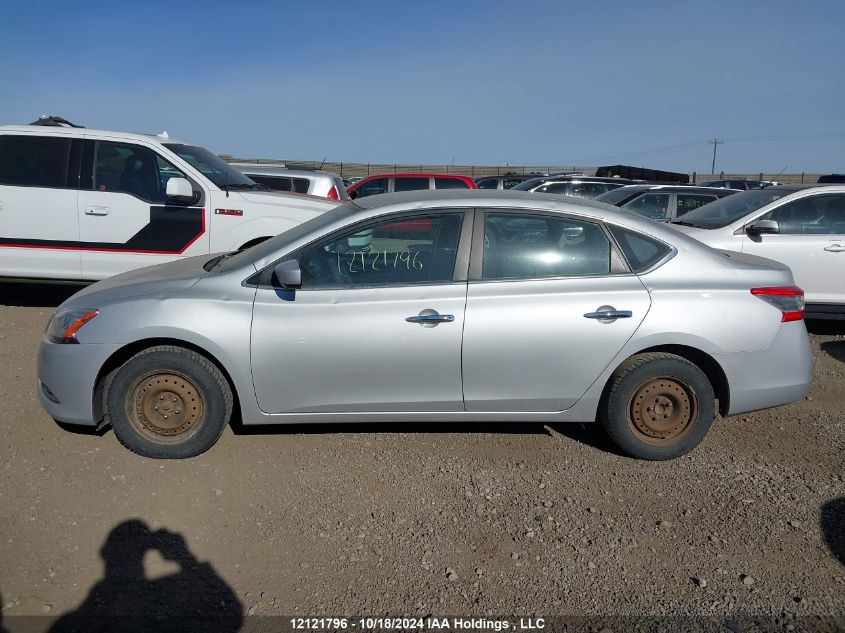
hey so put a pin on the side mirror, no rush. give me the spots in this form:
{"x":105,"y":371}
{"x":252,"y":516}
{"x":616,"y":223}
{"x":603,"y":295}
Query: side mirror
{"x":763,"y":227}
{"x":179,"y":190}
{"x":288,"y":273}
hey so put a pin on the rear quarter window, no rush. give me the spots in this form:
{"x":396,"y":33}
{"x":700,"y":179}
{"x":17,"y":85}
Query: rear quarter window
{"x":641,"y":251}
{"x":450,"y":183}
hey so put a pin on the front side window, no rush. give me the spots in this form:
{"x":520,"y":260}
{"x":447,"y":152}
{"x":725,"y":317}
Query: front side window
{"x":132,"y":169}
{"x":689,"y":201}
{"x":651,"y":205}
{"x":488,"y":183}
{"x":417,"y":249}
{"x":519,"y":246}
{"x":34,"y":161}
{"x":450,"y":183}
{"x":410,"y":184}
{"x":813,"y":215}
{"x":372,"y":187}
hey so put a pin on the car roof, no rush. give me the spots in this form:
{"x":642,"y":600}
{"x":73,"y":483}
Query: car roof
{"x":688,"y":188}
{"x":418,"y":175}
{"x":277,"y":170}
{"x":77,"y":132}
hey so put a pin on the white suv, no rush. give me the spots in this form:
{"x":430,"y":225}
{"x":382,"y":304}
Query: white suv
{"x":85,"y":204}
{"x":800,"y":226}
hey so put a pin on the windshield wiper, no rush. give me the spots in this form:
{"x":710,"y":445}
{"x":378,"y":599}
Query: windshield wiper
{"x":683,"y":223}
{"x":214,"y":262}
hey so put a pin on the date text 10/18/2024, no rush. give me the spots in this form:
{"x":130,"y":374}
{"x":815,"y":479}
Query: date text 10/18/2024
{"x":424,"y":624}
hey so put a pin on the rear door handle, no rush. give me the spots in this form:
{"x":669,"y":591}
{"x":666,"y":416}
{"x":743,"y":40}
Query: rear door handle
{"x":835,"y":248}
{"x":96,"y":210}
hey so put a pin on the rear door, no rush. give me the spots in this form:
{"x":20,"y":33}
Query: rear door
{"x":534,"y":339}
{"x":811,"y":242}
{"x":39,"y":228}
{"x":125,"y":221}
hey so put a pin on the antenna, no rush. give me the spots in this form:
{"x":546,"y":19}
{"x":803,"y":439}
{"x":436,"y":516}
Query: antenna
{"x":322,"y":163}
{"x":776,"y":176}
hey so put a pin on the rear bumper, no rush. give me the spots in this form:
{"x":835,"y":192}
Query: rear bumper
{"x":777,"y":375}
{"x":67,"y":374}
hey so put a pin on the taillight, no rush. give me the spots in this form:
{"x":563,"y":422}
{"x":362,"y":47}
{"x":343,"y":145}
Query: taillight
{"x":333,"y":194}
{"x":788,"y":299}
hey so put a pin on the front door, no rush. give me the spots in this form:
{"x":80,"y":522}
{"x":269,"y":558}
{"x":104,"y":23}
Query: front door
{"x":811,"y":242}
{"x":549,"y":305}
{"x":376,"y":325}
{"x":124,"y":219}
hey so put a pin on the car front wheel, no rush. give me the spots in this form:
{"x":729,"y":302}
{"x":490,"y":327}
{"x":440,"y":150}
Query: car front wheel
{"x":168,"y":402}
{"x":658,"y":406}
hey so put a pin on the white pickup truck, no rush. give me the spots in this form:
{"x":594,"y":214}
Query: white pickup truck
{"x":82,"y":204}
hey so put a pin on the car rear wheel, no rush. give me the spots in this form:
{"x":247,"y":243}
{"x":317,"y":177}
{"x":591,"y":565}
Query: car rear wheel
{"x":658,"y":406}
{"x":168,"y":402}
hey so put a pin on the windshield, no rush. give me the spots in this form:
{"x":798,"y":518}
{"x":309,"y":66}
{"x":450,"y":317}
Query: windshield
{"x":212,"y":167}
{"x":618,"y":196}
{"x":727,"y":210}
{"x":268,"y":248}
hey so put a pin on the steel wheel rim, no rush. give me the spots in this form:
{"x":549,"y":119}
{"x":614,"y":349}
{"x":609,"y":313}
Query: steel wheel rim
{"x":662,"y":410}
{"x":165,"y":407}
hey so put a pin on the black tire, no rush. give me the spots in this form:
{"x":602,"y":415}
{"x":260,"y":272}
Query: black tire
{"x":658,"y":406}
{"x":168,"y":402}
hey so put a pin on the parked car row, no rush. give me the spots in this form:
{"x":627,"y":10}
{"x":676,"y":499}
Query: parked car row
{"x":475,"y":305}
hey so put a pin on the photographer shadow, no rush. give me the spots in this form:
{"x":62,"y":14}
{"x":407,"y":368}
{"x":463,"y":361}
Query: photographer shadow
{"x":125,"y":600}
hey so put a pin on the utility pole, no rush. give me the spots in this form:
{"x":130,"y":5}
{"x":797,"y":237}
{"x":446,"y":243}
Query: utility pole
{"x":715,"y":142}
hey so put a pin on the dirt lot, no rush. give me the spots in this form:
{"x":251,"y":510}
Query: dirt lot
{"x":511,"y":520}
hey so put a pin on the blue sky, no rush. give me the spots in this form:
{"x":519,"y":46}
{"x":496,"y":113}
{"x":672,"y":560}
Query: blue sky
{"x":489,"y":82}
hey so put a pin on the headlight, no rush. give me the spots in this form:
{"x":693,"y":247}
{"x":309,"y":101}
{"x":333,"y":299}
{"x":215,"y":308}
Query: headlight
{"x":65,"y":323}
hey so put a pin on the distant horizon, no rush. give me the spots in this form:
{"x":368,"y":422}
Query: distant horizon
{"x":485,"y":83}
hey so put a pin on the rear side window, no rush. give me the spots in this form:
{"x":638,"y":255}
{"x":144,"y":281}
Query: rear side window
{"x":450,"y":183}
{"x":651,"y":205}
{"x":519,"y":246}
{"x":554,"y":187}
{"x":300,"y":185}
{"x":487,"y":183}
{"x":276,"y":183}
{"x":641,"y":251}
{"x":410,"y":184}
{"x":34,"y":161}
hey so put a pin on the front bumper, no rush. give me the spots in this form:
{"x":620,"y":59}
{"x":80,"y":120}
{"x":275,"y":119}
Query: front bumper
{"x":778,"y":375}
{"x":67,"y":374}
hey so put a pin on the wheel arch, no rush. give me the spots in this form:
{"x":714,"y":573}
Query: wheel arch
{"x":704,"y":361}
{"x":126,"y":352}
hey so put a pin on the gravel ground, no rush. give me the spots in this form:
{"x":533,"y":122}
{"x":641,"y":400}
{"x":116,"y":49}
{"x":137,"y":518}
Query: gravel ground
{"x":418,"y":520}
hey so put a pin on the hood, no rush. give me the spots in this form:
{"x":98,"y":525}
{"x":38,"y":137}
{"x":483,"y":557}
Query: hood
{"x":289,"y":200}
{"x":176,"y":275}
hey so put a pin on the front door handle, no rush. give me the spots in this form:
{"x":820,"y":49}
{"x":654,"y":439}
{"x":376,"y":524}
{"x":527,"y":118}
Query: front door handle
{"x":835,"y":248}
{"x":608,"y":314}
{"x":430,"y":318}
{"x":96,"y":210}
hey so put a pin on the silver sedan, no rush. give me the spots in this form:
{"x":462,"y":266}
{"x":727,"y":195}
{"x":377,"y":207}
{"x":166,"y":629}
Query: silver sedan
{"x":435,"y":306}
